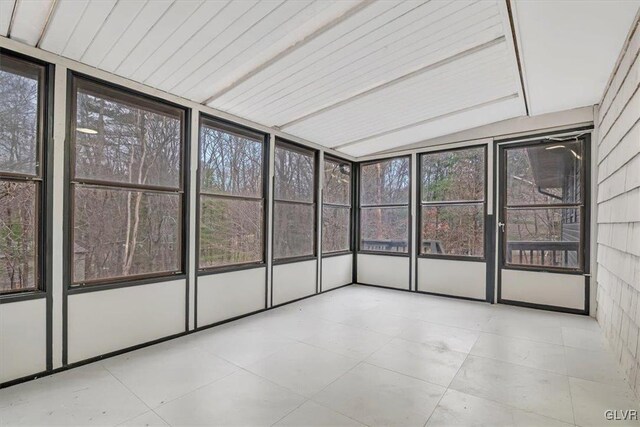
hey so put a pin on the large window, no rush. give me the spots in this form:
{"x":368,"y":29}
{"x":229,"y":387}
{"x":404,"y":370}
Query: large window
{"x":384,"y":205}
{"x":294,"y":202}
{"x":544,"y":206}
{"x":21,"y":173}
{"x":453,"y":202}
{"x":127,"y":193}
{"x":231,"y":196}
{"x":336,"y":206}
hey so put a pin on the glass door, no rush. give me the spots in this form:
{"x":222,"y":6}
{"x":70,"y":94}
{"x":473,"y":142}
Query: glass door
{"x":543,"y":224}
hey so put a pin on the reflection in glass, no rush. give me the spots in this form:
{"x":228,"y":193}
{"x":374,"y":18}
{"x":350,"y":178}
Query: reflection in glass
{"x":453,"y":230}
{"x":543,"y":237}
{"x":120,"y":233}
{"x":384,"y":229}
{"x":230,"y":231}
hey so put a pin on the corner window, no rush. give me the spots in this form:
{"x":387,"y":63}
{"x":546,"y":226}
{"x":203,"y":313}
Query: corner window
{"x":336,"y":206}
{"x":127,"y":193}
{"x":231,"y":196}
{"x":452,"y":202}
{"x":21,"y":174}
{"x":384,"y":205}
{"x":294,"y":216}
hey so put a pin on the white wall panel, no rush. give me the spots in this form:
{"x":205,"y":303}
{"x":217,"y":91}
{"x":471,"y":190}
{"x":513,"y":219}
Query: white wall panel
{"x":105,"y":321}
{"x":294,"y":280}
{"x":23,"y":339}
{"x":384,"y":270}
{"x":561,"y":290}
{"x":337,"y":271}
{"x":226,"y":295}
{"x":452,"y":277}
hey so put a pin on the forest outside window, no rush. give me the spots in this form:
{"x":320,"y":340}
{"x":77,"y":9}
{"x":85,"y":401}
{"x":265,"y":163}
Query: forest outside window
{"x":384,"y":206}
{"x":336,"y":206}
{"x":21,"y":174}
{"x":294,"y":214}
{"x":231,"y":196}
{"x":453,"y":203}
{"x":126,"y":185}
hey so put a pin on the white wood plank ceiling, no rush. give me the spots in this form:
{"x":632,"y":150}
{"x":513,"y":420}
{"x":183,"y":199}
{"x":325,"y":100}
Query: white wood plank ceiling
{"x":361,"y":76}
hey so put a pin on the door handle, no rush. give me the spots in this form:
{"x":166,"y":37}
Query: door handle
{"x":501,"y":226}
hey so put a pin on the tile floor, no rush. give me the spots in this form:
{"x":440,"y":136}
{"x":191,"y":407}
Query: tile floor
{"x":355,"y":356}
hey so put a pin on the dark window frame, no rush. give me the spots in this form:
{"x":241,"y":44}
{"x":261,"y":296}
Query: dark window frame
{"x":245,"y":132}
{"x":41,"y":179}
{"x":482,"y":202}
{"x":292,"y":146}
{"x":336,"y":159}
{"x":182,"y":188}
{"x":408,"y":205}
{"x":585,"y":197}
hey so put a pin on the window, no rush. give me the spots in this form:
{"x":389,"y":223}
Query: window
{"x":231,"y":196}
{"x":384,"y":205}
{"x":544,"y":206}
{"x":452,"y":201}
{"x":21,"y":174}
{"x":294,"y":202}
{"x":127,"y":192}
{"x":336,"y":206}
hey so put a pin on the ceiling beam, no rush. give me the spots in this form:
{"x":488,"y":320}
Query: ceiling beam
{"x":349,"y":13}
{"x":397,"y":80}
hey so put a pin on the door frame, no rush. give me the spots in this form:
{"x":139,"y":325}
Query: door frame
{"x":499,"y":183}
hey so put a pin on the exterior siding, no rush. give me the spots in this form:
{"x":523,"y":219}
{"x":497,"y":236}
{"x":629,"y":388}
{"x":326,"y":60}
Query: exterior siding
{"x":618,"y":210}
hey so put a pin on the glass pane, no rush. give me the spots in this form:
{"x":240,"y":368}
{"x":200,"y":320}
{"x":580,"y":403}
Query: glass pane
{"x":384,"y":229}
{"x":293,"y":230}
{"x":545,"y":174}
{"x":19,"y":115}
{"x":453,"y":230}
{"x":337,"y":183}
{"x":230,"y":163}
{"x":453,"y":175}
{"x":335,"y":229}
{"x":230,"y":231}
{"x":543,"y":237}
{"x":18,"y":231}
{"x":385,"y":182}
{"x":121,"y":138}
{"x":293,"y":175}
{"x":120,"y":233}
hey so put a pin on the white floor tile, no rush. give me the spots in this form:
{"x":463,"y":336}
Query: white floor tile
{"x":303,"y":368}
{"x":90,"y":397}
{"x":589,"y":339}
{"x":442,"y":336}
{"x":542,"y":392}
{"x":241,"y":399}
{"x":433,"y":364}
{"x":356,"y":343}
{"x":591,"y":400}
{"x":464,"y":410}
{"x":148,"y":419}
{"x":539,"y":355}
{"x":594,"y":365}
{"x":379,"y":321}
{"x":525,"y":327}
{"x":311,"y":414}
{"x":379,"y":397}
{"x":242,"y":347}
{"x":161,"y":373}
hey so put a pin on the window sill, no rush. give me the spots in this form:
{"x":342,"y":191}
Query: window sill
{"x":81,"y":289}
{"x":283,"y":261}
{"x":337,"y":253}
{"x":21,"y":296}
{"x":398,"y":254}
{"x":230,"y":268}
{"x":453,"y":257}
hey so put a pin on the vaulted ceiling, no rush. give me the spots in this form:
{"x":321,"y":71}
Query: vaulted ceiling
{"x":360,"y":76}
